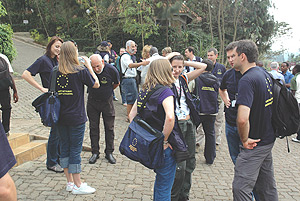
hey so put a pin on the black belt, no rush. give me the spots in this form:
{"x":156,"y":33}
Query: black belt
{"x":128,"y":77}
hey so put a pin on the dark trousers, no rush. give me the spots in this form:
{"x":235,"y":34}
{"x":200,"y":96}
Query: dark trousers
{"x":183,"y":177}
{"x":94,"y":110}
{"x":6,"y":108}
{"x":208,"y":124}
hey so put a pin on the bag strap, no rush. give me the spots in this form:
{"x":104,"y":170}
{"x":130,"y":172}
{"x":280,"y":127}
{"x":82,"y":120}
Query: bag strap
{"x":120,"y":63}
{"x":53,"y":78}
{"x":148,"y":96}
{"x":196,"y":87}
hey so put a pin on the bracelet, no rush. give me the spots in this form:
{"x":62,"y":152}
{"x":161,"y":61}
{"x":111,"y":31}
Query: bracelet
{"x":166,"y":142}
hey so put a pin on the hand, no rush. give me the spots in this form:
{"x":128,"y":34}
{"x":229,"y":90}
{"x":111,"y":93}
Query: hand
{"x":15,"y":97}
{"x":86,"y":61}
{"x":227,"y":103}
{"x":44,"y":90}
{"x":172,"y":54}
{"x":167,"y":145}
{"x":250,"y":143}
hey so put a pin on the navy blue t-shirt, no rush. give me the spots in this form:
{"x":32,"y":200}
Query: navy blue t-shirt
{"x":43,"y":66}
{"x":255,"y":92}
{"x":107,"y":78}
{"x":218,"y":71}
{"x":230,"y":82}
{"x":70,"y":90}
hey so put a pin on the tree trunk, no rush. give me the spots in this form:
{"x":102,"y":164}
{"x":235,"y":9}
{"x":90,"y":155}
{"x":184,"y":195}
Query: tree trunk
{"x":210,"y":24}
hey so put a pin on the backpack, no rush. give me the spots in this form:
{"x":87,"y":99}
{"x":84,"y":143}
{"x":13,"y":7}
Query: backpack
{"x":120,"y":72}
{"x":5,"y":77}
{"x":285,"y":111}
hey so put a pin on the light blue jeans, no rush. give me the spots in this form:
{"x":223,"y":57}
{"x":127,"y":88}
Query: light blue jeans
{"x":165,"y":178}
{"x":71,"y":138}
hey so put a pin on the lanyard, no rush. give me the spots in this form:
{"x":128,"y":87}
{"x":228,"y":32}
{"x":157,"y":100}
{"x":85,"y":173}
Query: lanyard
{"x":235,"y":84}
{"x":178,"y":94}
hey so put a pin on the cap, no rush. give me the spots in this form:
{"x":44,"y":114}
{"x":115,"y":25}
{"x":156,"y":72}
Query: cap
{"x":104,"y":43}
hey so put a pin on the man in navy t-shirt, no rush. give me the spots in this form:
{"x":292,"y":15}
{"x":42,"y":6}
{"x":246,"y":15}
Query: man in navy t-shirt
{"x":228,"y":92}
{"x":254,"y":164}
{"x":101,"y":101}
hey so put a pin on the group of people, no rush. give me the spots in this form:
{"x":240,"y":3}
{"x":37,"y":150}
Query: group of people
{"x":192,"y":99}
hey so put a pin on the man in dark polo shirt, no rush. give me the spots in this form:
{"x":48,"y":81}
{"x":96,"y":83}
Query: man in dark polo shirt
{"x":254,"y":164}
{"x":101,"y":101}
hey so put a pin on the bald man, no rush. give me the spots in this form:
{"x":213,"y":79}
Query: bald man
{"x":101,"y":101}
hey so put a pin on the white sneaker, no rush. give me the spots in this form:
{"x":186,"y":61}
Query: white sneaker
{"x":295,"y":140}
{"x":70,"y":186}
{"x":83,"y":189}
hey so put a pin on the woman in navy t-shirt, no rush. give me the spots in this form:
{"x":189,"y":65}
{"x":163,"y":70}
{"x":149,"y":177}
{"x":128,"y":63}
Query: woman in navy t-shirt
{"x":70,"y":81}
{"x":159,"y":113}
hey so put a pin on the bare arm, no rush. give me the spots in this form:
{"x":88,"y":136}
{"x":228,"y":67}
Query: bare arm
{"x":199,"y":68}
{"x":135,"y":65}
{"x":133,"y":112}
{"x":116,"y":85}
{"x":243,"y":125}
{"x":225,"y":97}
{"x":89,"y":67}
{"x":15,"y":95}
{"x":168,"y":105}
{"x":29,"y":78}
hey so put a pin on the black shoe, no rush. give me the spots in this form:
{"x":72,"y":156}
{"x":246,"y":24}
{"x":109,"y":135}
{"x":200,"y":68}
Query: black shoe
{"x":93,"y":158}
{"x":110,"y":158}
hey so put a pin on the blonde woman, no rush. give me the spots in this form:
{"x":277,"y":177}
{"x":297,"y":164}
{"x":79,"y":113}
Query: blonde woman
{"x":159,"y":113}
{"x":70,"y":81}
{"x":145,"y":56}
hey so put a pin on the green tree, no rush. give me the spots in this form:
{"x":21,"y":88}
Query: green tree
{"x":6,"y":33}
{"x":137,"y":17}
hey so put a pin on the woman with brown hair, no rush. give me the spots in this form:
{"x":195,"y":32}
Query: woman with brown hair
{"x":44,"y":66}
{"x":159,"y":113}
{"x":70,"y":81}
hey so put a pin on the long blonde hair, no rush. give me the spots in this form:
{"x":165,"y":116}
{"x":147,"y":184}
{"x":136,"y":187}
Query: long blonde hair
{"x":68,"y":59}
{"x":159,"y":72}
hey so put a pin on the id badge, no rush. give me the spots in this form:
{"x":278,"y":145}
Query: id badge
{"x":233,"y":103}
{"x":181,"y":115}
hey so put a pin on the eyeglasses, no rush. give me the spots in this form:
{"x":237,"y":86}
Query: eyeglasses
{"x":73,"y":41}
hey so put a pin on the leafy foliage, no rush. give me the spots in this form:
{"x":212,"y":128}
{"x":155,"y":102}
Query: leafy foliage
{"x":6,"y":33}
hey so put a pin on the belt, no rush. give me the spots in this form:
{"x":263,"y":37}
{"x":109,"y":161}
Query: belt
{"x":128,"y":77}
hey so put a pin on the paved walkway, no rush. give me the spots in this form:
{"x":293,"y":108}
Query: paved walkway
{"x":126,"y":180}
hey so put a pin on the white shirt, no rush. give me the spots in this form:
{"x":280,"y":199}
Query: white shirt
{"x":277,"y":75}
{"x":184,"y":110}
{"x":125,"y":61}
{"x":7,"y":60}
{"x":144,"y":69}
{"x":297,"y":93}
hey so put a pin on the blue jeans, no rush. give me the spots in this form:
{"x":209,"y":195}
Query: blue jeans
{"x":130,"y":89}
{"x":71,"y":138}
{"x":233,"y":141}
{"x":53,"y":147}
{"x":165,"y":178}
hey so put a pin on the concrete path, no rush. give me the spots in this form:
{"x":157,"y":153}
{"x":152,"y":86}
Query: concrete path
{"x":126,"y":180}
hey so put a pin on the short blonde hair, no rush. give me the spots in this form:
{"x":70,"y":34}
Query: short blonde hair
{"x":68,"y":59}
{"x":159,"y":72}
{"x":167,"y":50}
{"x":146,"y":51}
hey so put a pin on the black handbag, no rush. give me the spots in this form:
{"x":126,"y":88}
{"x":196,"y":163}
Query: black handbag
{"x":142,"y":142}
{"x":48,"y":104}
